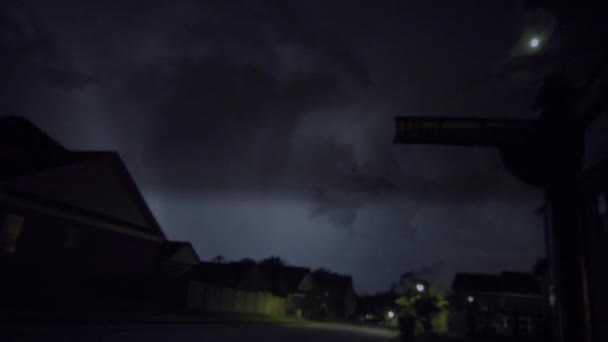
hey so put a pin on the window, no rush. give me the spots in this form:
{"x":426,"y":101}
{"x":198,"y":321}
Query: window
{"x":602,"y":210}
{"x":9,"y":233}
{"x":503,"y":324}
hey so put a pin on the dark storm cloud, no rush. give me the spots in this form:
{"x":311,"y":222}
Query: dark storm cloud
{"x":232,"y":99}
{"x":429,"y":271}
{"x":341,"y":184}
{"x":219,"y":111}
{"x":272,"y":121}
{"x":204,"y":138}
{"x":261,"y":26}
{"x":29,"y":52}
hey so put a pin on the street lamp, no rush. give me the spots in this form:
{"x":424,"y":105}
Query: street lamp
{"x":470,"y":299}
{"x":391,"y":314}
{"x":420,"y":287}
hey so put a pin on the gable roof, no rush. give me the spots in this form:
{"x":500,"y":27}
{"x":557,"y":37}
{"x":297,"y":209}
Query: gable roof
{"x":25,"y":149}
{"x":178,"y":252}
{"x":21,"y":135}
{"x":506,"y":282}
{"x":90,"y":183}
{"x":234,"y":275}
{"x":293,"y":276}
{"x":39,"y":172}
{"x":285,"y":280}
{"x":333,"y":281}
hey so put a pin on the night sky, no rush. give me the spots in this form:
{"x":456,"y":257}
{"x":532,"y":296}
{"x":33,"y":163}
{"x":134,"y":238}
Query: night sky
{"x":258,"y":128}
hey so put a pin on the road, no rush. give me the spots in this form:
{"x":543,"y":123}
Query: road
{"x":317,"y":332}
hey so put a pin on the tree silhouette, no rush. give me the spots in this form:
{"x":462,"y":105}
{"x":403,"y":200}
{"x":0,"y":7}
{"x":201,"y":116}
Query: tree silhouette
{"x":247,"y":261}
{"x":272,"y":262}
{"x":421,"y":304}
{"x":322,"y":270}
{"x":218,"y":259}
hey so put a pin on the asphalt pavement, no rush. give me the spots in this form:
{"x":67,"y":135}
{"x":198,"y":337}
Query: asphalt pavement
{"x":317,"y":332}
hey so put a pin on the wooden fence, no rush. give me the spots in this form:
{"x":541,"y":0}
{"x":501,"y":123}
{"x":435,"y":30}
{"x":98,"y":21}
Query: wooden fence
{"x":212,"y":298}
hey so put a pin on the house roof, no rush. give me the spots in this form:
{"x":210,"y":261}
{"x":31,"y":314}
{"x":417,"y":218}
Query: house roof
{"x":178,"y":251}
{"x":293,"y":276}
{"x":23,"y":136}
{"x":25,"y":149}
{"x":90,"y":184}
{"x":333,"y":281}
{"x":283,"y":280}
{"x":506,"y":282}
{"x":233,"y":275}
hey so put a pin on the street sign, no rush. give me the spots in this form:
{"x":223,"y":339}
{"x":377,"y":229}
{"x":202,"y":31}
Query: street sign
{"x":464,"y":131}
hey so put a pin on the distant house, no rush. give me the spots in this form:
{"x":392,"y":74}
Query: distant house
{"x":505,"y":304}
{"x":232,"y":287}
{"x":176,"y":258}
{"x":68,"y":216}
{"x":169,"y":285}
{"x":301,"y":289}
{"x":338,"y":297}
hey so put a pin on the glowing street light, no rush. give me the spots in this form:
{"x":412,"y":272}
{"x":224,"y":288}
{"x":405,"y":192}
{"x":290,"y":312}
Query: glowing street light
{"x":535,"y":42}
{"x":420,"y":287}
{"x":470,"y":299}
{"x":391,"y":315}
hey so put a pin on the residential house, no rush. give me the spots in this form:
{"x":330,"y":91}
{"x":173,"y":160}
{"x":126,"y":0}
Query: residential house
{"x":338,"y":297}
{"x":68,"y":219}
{"x":176,"y":258}
{"x":505,"y":304}
{"x":302,"y":291}
{"x":169,"y":287}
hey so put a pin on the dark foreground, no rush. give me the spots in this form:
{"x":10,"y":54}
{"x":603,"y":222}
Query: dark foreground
{"x":317,"y":332}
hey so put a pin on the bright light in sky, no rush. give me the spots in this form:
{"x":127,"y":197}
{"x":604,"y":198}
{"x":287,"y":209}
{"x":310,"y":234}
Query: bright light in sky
{"x":420,"y":287}
{"x":534,"y":42}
